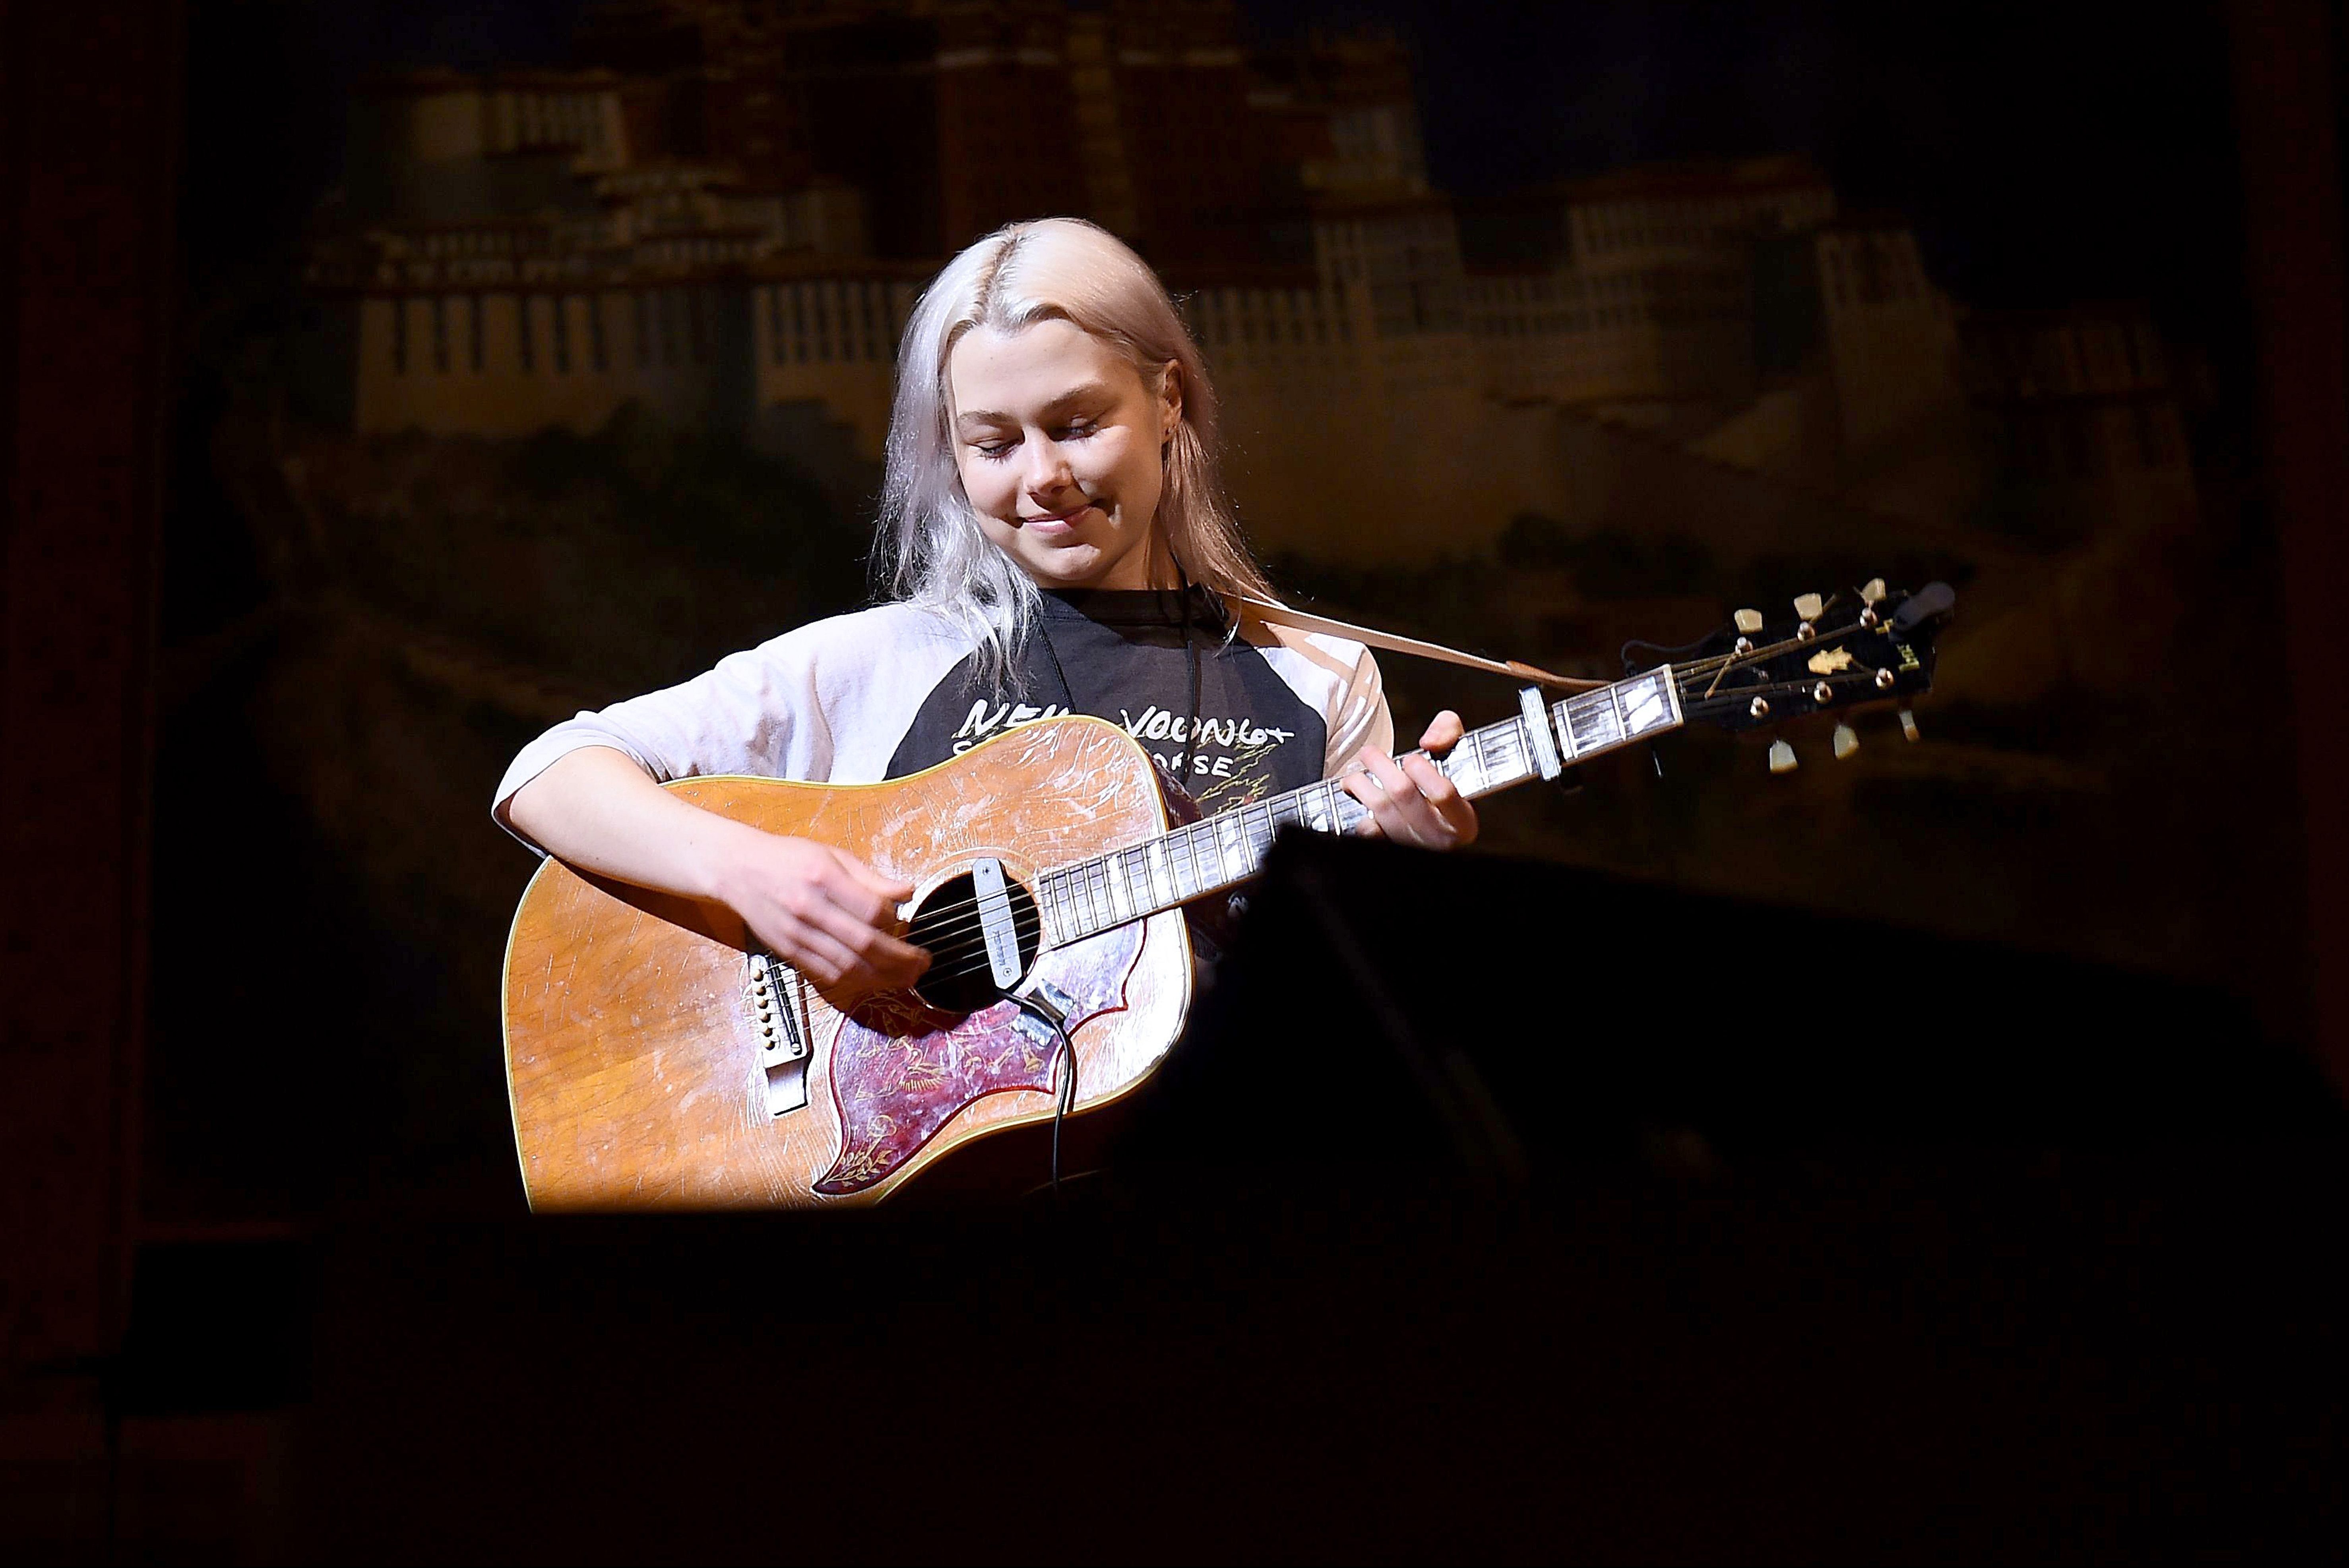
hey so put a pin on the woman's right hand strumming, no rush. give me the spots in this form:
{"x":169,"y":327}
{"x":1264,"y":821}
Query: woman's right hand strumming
{"x":820,"y":910}
{"x":826,"y":913}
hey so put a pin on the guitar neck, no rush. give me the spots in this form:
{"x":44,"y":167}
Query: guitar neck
{"x":1227,"y":849}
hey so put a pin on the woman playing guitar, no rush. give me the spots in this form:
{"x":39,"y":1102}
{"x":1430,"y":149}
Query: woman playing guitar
{"x":1059,"y":542}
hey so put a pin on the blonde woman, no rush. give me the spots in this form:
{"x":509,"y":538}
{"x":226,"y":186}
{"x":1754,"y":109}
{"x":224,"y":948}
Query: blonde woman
{"x":1059,"y":542}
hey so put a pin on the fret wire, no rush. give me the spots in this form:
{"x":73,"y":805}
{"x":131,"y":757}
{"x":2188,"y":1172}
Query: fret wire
{"x":1133,"y":865}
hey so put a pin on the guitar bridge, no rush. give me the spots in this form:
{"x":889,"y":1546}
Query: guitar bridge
{"x":778,"y":1010}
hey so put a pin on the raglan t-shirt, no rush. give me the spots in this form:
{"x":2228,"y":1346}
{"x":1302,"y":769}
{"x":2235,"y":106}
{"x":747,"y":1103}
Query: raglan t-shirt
{"x":885,"y":692}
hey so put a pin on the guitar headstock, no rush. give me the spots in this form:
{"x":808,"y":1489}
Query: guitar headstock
{"x":1869,"y":645}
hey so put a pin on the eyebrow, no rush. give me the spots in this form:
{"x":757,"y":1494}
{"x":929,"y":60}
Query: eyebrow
{"x":1090,"y":392}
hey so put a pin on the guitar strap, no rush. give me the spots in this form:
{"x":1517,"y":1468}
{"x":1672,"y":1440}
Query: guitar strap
{"x":1280,"y":614}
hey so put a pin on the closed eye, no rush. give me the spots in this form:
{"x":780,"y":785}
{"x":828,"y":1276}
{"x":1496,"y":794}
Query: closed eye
{"x":1077,"y":430}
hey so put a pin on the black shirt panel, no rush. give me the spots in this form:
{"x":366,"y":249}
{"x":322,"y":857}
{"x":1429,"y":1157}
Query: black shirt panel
{"x":1127,"y":656}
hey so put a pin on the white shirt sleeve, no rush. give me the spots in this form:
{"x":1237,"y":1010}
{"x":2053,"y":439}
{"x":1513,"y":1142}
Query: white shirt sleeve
{"x":1336,"y":676}
{"x":773,"y":711}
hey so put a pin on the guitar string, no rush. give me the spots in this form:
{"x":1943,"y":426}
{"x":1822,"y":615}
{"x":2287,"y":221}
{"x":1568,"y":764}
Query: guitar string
{"x":954,"y":961}
{"x":960,"y":924}
{"x":1274,"y":814}
{"x":963,"y":917}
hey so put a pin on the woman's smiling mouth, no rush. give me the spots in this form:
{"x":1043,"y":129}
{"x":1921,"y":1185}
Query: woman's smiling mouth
{"x":1052,"y":523}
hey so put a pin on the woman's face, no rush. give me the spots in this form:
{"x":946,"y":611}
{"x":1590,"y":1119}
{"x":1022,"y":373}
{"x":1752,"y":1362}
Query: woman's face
{"x":1059,"y":444}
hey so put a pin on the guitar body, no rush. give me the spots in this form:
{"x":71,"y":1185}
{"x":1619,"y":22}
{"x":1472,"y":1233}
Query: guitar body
{"x":641,"y":1052}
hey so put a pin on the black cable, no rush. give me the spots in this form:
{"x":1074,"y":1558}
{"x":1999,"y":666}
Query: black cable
{"x":1066,"y":1095}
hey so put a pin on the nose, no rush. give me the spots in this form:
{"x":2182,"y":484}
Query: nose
{"x":1049,"y":473}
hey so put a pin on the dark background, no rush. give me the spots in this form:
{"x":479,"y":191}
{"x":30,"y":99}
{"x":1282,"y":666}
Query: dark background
{"x":2017,"y":1245}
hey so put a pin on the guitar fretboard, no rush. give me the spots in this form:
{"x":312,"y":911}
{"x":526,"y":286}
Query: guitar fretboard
{"x":1229,"y":847}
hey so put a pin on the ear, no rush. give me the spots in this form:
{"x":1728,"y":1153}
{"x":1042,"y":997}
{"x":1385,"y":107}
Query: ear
{"x":1170,"y":399}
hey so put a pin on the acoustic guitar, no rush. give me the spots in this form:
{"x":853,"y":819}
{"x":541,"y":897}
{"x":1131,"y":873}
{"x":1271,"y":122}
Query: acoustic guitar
{"x":657,"y":1057}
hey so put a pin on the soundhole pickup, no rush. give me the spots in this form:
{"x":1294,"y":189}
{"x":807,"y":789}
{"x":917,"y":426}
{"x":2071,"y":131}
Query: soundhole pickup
{"x":778,"y":1000}
{"x":982,"y":931}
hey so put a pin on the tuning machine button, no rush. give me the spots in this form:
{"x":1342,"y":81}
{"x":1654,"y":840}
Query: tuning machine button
{"x":1747,"y":621}
{"x":1809,"y":606}
{"x":1874,"y":591}
{"x":1908,"y":724}
{"x":1782,"y":756}
{"x":1846,"y":741}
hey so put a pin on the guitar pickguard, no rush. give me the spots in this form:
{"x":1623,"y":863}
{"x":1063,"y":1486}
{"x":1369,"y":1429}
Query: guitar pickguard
{"x":897,"y":1084}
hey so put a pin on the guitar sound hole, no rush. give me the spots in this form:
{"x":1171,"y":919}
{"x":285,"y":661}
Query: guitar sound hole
{"x":959,"y":979}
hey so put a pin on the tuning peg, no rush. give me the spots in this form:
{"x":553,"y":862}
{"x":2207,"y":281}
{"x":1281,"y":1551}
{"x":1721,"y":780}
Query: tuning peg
{"x":1748,"y":621}
{"x":1908,"y":724}
{"x":1782,"y":757}
{"x":1870,"y":597}
{"x":1846,"y":741}
{"x":1808,"y":606}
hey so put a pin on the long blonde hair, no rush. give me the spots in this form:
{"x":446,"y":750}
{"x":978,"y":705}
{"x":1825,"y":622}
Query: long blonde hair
{"x":929,"y":547}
